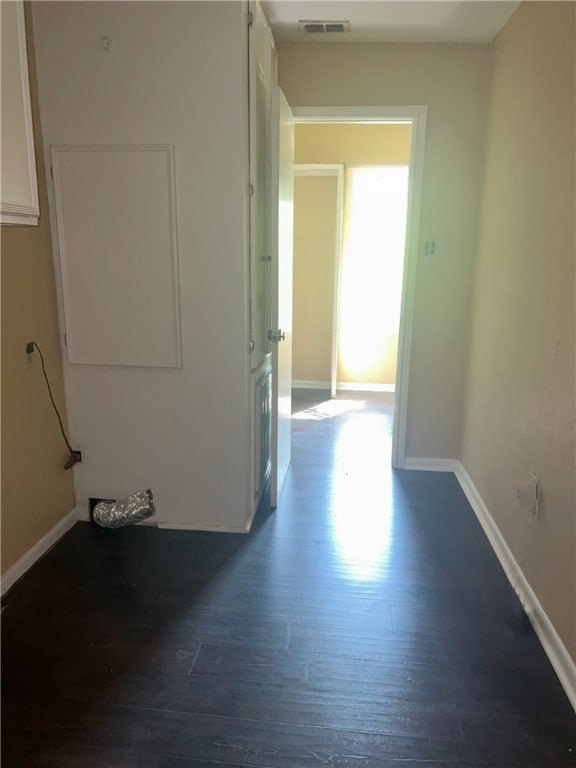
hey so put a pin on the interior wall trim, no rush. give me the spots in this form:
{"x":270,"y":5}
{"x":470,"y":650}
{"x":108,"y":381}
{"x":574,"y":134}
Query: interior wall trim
{"x":431,"y":465}
{"x":206,"y":527}
{"x":83,"y":515}
{"x":16,"y":571}
{"x":302,"y":384}
{"x":550,"y":640}
{"x":345,"y":386}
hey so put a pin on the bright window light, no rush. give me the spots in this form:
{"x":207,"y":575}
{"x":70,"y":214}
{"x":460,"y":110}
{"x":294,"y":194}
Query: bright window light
{"x":372,"y":265}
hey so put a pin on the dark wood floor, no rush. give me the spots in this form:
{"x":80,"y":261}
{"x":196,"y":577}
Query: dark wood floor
{"x":365,"y":624}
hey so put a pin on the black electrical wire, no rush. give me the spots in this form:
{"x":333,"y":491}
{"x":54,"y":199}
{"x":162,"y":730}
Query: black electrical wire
{"x":34,"y":345}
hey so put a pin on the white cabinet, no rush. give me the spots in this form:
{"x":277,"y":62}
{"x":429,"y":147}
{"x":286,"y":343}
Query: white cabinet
{"x":19,"y":203}
{"x":175,"y":74}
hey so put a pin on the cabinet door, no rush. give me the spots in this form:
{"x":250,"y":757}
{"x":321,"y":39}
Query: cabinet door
{"x":261,"y":80}
{"x":19,"y":204}
{"x":263,"y":401}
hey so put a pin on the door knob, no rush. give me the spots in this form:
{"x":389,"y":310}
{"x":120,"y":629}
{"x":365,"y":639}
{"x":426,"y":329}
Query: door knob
{"x":277,"y":336}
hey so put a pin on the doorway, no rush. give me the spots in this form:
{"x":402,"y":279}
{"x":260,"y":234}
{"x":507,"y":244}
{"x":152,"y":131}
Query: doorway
{"x":367,"y":177}
{"x":318,"y":217}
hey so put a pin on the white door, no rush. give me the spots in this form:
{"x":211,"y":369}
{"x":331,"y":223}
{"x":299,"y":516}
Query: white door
{"x":282,"y":217}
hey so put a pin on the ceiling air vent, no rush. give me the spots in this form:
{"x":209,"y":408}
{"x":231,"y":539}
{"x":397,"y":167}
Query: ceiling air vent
{"x":320,"y":27}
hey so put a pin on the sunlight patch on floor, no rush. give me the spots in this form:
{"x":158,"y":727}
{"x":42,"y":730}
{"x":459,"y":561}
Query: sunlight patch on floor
{"x":362,"y":512}
{"x":329,"y":409}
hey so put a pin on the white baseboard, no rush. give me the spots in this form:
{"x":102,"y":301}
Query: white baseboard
{"x":551,"y":642}
{"x":344,"y":386}
{"x":11,"y":576}
{"x":205,"y":527}
{"x":151,"y":522}
{"x":431,"y":465}
{"x":301,"y":384}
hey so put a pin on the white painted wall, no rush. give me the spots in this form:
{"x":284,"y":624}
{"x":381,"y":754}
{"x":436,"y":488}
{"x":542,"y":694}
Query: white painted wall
{"x":175,"y":74}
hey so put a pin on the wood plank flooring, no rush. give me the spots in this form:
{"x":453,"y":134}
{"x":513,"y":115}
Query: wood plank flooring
{"x":364,"y":624}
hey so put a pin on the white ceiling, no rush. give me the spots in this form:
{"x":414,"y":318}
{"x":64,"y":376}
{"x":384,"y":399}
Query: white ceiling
{"x":399,"y":21}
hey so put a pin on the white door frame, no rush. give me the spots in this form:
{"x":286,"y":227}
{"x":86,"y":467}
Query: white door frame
{"x":416,"y":115}
{"x":337,"y":170}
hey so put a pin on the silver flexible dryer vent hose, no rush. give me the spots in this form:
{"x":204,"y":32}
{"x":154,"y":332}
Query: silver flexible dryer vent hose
{"x":134,"y":508}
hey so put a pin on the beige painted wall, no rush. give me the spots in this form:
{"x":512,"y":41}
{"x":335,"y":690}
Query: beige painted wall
{"x":353,"y":144}
{"x":521,"y":395}
{"x":36,"y":490}
{"x":348,"y":145}
{"x":315,"y":199}
{"x":453,"y":81}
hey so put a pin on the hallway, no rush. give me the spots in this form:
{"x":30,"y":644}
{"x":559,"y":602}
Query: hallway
{"x":364,"y":624}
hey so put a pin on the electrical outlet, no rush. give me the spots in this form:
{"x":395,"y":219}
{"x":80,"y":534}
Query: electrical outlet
{"x":529,"y":494}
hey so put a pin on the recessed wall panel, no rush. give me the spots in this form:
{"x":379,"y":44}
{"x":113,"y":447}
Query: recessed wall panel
{"x":117,"y":240}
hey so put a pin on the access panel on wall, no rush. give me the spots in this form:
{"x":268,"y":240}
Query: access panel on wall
{"x":118,"y":248}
